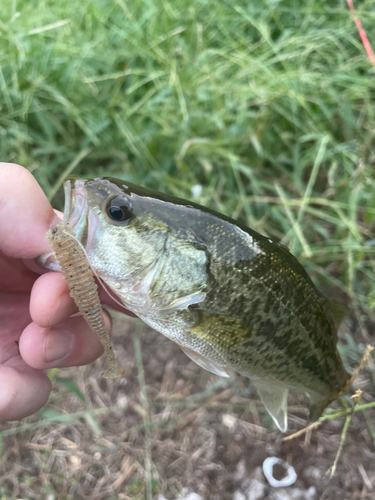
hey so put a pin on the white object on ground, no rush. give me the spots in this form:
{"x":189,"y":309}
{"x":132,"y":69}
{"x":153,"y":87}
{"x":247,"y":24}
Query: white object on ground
{"x":288,"y":480}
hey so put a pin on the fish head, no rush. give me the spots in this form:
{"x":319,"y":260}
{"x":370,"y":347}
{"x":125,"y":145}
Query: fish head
{"x":135,"y":242}
{"x":121,"y":237}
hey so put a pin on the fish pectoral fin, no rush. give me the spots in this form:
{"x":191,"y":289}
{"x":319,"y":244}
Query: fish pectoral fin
{"x":275,"y":399}
{"x":184,"y":302}
{"x":205,"y":363}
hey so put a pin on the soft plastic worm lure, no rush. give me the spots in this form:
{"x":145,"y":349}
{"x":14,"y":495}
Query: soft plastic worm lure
{"x":77,"y":273}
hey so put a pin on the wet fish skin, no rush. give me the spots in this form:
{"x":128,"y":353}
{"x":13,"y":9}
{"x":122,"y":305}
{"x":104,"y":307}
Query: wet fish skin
{"x":230,"y":297}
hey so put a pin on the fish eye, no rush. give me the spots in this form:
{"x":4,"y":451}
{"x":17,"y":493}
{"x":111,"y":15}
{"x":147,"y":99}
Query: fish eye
{"x":119,"y":209}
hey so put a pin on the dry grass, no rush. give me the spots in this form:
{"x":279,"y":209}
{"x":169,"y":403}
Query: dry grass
{"x":193,"y":431}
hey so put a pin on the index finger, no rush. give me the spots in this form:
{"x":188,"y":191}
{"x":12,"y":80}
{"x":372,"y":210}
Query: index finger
{"x":25,"y":213}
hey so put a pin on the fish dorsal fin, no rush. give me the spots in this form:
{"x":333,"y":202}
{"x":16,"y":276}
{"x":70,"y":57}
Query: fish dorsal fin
{"x":275,"y":399}
{"x":205,"y":363}
{"x":339,"y":311}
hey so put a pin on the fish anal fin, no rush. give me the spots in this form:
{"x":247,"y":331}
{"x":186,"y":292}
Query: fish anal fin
{"x":275,"y":399}
{"x":205,"y":363}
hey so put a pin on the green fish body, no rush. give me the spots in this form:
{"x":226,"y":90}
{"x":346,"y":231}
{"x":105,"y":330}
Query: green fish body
{"x":231,"y":298}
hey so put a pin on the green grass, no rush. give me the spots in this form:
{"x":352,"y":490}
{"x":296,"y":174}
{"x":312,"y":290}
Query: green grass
{"x":268,"y":105}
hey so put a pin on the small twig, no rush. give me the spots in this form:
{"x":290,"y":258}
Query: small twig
{"x":362,"y":34}
{"x":355,"y":398}
{"x":365,"y":477}
{"x":302,"y":431}
{"x":361,"y":365}
{"x":342,"y":441}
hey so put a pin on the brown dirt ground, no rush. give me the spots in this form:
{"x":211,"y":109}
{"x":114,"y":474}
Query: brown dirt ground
{"x":206,"y":436}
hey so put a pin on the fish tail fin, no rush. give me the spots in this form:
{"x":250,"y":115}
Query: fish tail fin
{"x":342,"y":382}
{"x":317,"y":408}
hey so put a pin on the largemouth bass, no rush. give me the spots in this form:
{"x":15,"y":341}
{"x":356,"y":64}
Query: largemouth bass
{"x":232,"y":299}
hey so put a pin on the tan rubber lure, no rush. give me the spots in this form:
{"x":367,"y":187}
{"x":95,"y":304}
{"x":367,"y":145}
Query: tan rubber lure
{"x":77,"y":273}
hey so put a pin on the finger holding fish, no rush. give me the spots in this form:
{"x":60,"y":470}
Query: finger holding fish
{"x":25,"y":216}
{"x":23,"y":237}
{"x":79,"y":276}
{"x":51,"y":302}
{"x":24,"y":390}
{"x":70,"y":342}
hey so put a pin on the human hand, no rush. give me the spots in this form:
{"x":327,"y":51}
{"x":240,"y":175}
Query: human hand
{"x":37,"y":331}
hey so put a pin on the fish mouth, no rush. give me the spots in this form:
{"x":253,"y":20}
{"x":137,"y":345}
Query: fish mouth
{"x":76,"y":214}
